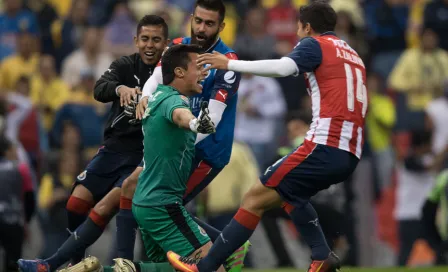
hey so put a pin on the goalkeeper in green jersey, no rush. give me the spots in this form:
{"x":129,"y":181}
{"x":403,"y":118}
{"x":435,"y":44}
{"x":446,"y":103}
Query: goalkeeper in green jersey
{"x":169,"y":130}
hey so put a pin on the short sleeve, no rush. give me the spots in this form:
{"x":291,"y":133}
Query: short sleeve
{"x":307,"y":55}
{"x":172,"y":103}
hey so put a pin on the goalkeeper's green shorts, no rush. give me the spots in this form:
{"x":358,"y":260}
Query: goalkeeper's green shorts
{"x":168,"y":227}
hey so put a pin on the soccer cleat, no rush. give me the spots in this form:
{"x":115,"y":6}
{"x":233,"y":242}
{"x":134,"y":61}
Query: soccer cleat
{"x":182,"y":264}
{"x":89,"y":264}
{"x":235,"y":262}
{"x":33,"y":266}
{"x":124,"y":265}
{"x":331,"y":264}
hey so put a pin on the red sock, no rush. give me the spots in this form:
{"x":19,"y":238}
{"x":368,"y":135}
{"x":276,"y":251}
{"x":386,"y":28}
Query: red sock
{"x":99,"y":220}
{"x":247,"y":219}
{"x":125,"y":203}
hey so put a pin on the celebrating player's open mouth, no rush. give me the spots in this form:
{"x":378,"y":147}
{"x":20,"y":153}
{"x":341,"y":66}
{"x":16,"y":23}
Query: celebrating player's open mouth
{"x":150,"y":55}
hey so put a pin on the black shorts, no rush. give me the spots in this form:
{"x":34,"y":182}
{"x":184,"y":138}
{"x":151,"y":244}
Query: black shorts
{"x":307,"y":170}
{"x":108,"y":169}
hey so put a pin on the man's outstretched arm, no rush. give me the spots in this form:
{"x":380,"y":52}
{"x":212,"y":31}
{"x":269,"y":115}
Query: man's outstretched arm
{"x":305,"y":57}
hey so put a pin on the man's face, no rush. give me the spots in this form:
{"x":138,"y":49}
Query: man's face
{"x":25,"y":44}
{"x":193,"y":75}
{"x":430,"y":40}
{"x":302,"y":30}
{"x":150,"y":43}
{"x":92,"y":38}
{"x":47,"y":66}
{"x":205,"y":27}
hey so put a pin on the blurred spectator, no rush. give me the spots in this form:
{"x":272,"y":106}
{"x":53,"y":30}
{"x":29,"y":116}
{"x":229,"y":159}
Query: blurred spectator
{"x":415,"y":23}
{"x":13,"y":20}
{"x":386,"y":22}
{"x":170,"y":19}
{"x":347,"y":31}
{"x":67,"y":32}
{"x":352,"y":8}
{"x":86,"y":114}
{"x":23,"y":126}
{"x":55,"y":188}
{"x":415,"y":180}
{"x":101,"y":11}
{"x":260,"y":107}
{"x":437,"y":119}
{"x":119,"y":32}
{"x":254,"y":39}
{"x":24,"y":63}
{"x":224,"y":194}
{"x":48,"y":91}
{"x":62,"y":7}
{"x":436,"y":18}
{"x":17,"y":203}
{"x":420,"y":72}
{"x":89,"y":56}
{"x":46,"y":15}
{"x":282,"y":21}
{"x":380,"y":122}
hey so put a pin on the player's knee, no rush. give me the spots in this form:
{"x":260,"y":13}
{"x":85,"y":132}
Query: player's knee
{"x":128,"y":187}
{"x":260,"y":198}
{"x":252,"y":204}
{"x":81,"y":192}
{"x":78,"y":205}
{"x":109,"y":205}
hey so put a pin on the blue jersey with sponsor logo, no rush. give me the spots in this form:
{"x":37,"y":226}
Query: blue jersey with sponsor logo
{"x":220,"y":85}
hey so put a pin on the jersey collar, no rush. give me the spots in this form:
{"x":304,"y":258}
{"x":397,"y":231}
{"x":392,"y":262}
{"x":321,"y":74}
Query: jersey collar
{"x":329,"y":33}
{"x":213,"y":45}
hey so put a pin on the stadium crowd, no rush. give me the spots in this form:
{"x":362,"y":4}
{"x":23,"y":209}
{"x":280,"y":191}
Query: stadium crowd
{"x":392,"y":211}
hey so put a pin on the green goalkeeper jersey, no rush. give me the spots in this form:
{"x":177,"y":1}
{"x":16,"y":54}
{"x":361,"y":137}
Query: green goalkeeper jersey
{"x":168,"y":151}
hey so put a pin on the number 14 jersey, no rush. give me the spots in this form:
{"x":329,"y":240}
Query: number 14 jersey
{"x":335,"y":77}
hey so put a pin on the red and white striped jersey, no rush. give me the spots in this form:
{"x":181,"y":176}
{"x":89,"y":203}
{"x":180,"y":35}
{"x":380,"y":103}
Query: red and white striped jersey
{"x":336,"y":77}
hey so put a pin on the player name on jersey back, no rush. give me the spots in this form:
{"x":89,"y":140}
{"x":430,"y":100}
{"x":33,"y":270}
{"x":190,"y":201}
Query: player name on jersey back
{"x":344,"y":51}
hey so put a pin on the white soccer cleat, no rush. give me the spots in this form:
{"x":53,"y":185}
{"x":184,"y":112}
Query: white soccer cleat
{"x":124,"y":265}
{"x":89,"y":264}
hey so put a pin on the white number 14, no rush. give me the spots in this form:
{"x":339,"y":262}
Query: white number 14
{"x":361,"y":90}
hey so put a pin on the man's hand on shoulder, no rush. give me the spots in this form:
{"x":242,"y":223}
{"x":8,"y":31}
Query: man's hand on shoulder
{"x":141,"y":108}
{"x":127,"y":95}
{"x":215,"y":61}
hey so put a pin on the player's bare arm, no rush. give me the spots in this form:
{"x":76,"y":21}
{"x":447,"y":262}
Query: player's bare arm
{"x":270,"y":68}
{"x":185,"y":119}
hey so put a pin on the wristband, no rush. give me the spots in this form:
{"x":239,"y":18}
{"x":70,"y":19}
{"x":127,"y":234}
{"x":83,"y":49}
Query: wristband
{"x":192,"y":124}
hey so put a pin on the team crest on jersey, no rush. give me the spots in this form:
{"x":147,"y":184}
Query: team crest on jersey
{"x":82,"y":176}
{"x":202,"y":231}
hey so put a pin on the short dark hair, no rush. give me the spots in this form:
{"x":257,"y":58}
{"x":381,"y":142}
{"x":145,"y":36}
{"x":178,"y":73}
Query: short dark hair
{"x":320,"y":15}
{"x":176,"y":56}
{"x":300,"y":115}
{"x":153,"y":20}
{"x":214,"y":5}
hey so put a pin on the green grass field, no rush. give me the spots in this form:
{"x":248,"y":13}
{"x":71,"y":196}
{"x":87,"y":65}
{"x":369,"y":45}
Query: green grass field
{"x":348,"y":269}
